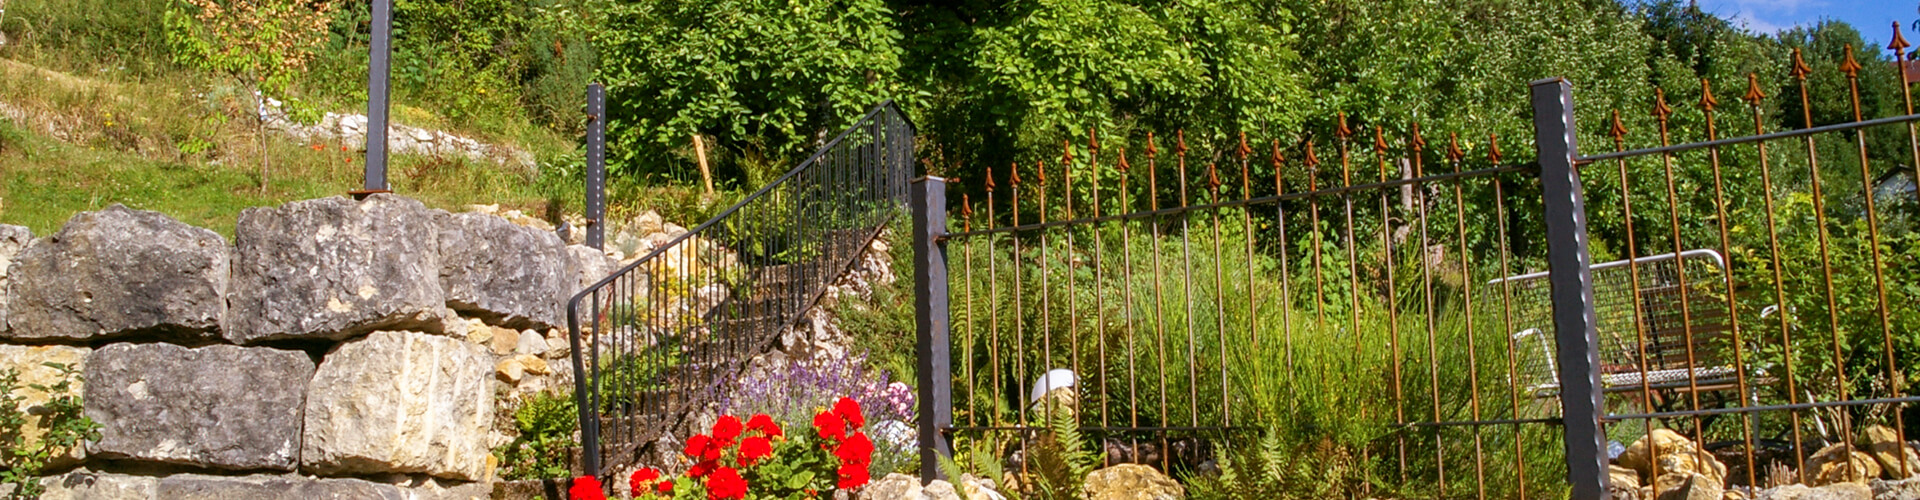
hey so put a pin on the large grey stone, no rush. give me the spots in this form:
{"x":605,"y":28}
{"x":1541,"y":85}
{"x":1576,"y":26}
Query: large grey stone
{"x":32,"y":365}
{"x":274,"y":487}
{"x":13,"y":239}
{"x":119,"y":272}
{"x":220,"y":406}
{"x":335,"y":268}
{"x":401,"y":402}
{"x":588,"y":266}
{"x":507,"y":274}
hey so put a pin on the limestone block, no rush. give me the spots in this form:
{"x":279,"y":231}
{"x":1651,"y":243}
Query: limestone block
{"x":401,"y":402}
{"x":220,"y":406}
{"x":274,"y":487}
{"x":119,"y":272}
{"x":335,"y":268}
{"x":507,"y":274}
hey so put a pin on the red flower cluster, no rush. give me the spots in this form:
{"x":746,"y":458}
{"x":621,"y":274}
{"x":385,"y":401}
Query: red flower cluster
{"x":720,"y":474}
{"x":649,"y":478}
{"x":586,"y":488}
{"x":840,"y":429}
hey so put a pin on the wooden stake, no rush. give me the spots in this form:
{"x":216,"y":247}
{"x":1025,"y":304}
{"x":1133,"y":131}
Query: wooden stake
{"x":700,"y":151}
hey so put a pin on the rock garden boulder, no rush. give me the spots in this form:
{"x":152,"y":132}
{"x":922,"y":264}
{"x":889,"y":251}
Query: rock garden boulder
{"x":401,"y":402}
{"x":119,"y":272}
{"x":506,"y":274}
{"x":13,"y":239}
{"x":31,"y":363}
{"x":219,"y":407}
{"x":1836,"y":464}
{"x":1884,"y":444}
{"x":92,"y":485}
{"x":1840,"y":491}
{"x":335,"y":268}
{"x":1132,"y":482}
{"x":198,"y":487}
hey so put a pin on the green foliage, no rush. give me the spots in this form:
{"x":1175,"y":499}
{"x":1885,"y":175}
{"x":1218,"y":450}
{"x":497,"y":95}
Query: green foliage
{"x":265,"y":44}
{"x":765,"y":78}
{"x":1059,"y":458}
{"x":546,"y":423}
{"x":60,"y":418}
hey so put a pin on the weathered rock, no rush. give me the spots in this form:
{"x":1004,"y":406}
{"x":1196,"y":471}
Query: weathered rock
{"x":92,"y":485}
{"x":13,"y":239}
{"x":1622,"y":478}
{"x":521,"y":365}
{"x":588,"y":266}
{"x":401,"y":402}
{"x":1906,"y":489}
{"x":531,"y":342}
{"x":1841,"y":491}
{"x":276,"y":487}
{"x":335,"y":268}
{"x":31,"y":363}
{"x":220,"y":406}
{"x":1675,"y":455}
{"x":1687,"y":487}
{"x":1884,"y":445}
{"x":894,"y":486}
{"x":1834,"y":464}
{"x":119,"y":272}
{"x":1132,"y":482}
{"x":502,"y":341}
{"x":648,"y":223}
{"x":507,"y":274}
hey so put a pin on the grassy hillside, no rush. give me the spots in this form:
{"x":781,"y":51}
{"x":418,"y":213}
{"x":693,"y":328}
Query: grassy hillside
{"x":94,"y":110}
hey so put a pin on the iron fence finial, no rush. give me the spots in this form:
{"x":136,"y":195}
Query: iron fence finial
{"x":989,"y":183}
{"x":1800,"y":69}
{"x":1660,"y":108}
{"x":1040,"y":172}
{"x":1313,"y":160}
{"x":1454,"y":153}
{"x":1066,"y":154}
{"x":1419,"y":143}
{"x":1493,"y":148}
{"x":1342,"y":131}
{"x":1151,"y":149}
{"x":1244,"y":150}
{"x":1279,"y":180}
{"x":1124,"y":166}
{"x":1847,"y":64}
{"x":1379,"y":140}
{"x":1618,"y":131}
{"x":1013,"y":174}
{"x":1093,"y":140}
{"x":1899,"y":43}
{"x":1180,"y":141}
{"x":1754,"y":95}
{"x":1706,"y":96}
{"x":1213,"y":177}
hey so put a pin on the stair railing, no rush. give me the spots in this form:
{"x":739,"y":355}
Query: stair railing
{"x":658,"y":339}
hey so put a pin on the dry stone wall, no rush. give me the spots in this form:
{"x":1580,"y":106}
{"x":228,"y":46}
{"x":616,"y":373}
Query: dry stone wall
{"x":338,"y":348}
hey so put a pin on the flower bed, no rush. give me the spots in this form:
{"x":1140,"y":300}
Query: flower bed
{"x":756,"y":459}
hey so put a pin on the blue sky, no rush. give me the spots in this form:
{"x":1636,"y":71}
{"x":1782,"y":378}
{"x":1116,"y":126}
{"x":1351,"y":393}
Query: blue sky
{"x":1871,"y":17}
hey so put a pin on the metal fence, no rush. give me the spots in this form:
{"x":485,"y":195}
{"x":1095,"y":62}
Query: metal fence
{"x":1445,"y":305}
{"x":656,"y":341}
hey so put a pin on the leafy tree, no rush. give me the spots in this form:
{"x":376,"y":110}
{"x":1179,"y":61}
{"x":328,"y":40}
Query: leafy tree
{"x":262,"y":44}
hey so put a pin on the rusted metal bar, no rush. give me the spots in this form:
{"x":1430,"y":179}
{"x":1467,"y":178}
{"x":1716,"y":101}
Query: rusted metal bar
{"x":1619,"y":133}
{"x":1800,"y":71}
{"x":1707,"y":104}
{"x":1393,"y":313}
{"x":1186,"y":260}
{"x":1660,"y":112}
{"x":1506,"y":306}
{"x":1754,"y":98}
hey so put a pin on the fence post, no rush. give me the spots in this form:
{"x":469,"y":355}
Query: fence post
{"x":379,"y":63}
{"x":1582,"y":404}
{"x":934,"y":367}
{"x":596,"y":165}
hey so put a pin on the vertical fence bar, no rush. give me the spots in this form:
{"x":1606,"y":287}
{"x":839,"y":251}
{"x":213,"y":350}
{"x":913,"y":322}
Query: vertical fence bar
{"x":1571,"y":279}
{"x":379,"y":63}
{"x":932,"y":347}
{"x":596,"y":165}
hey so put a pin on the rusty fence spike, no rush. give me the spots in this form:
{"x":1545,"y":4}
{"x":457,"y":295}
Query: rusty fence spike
{"x":1848,"y":65}
{"x":1454,"y":153}
{"x":1379,"y":140}
{"x":1013,"y":174}
{"x":1277,"y":159}
{"x":1618,"y":130}
{"x":989,"y":183}
{"x":1342,"y":131}
{"x":1800,"y":69}
{"x":1213,"y":177}
{"x":1244,"y":150}
{"x":1754,"y":95}
{"x":1180,"y":141}
{"x":1313,"y":160}
{"x":1660,"y":109}
{"x":1066,"y":153}
{"x":1151,"y":149}
{"x":1706,"y":95}
{"x":1123,"y":160}
{"x":1493,"y":148}
{"x":1040,"y":172}
{"x":1418,"y":143}
{"x":1093,"y":140}
{"x":1899,"y":43}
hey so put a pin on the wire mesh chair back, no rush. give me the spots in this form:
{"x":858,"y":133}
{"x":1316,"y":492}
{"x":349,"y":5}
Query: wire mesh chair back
{"x":1648,"y":308}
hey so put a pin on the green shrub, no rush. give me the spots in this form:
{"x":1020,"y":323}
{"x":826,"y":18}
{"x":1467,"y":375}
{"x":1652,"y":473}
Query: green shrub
{"x":546,"y":422}
{"x":65,"y":428}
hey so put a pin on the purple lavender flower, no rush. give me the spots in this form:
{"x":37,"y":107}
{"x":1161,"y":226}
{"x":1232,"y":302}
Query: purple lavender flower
{"x":793,"y":391}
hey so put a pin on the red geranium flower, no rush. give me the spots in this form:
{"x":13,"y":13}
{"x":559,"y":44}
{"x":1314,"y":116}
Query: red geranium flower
{"x":852,"y":476}
{"x":726,"y":483}
{"x":642,"y":478}
{"x":726,"y":429}
{"x":857,"y":450}
{"x":664,"y":487}
{"x":849,"y":410}
{"x":702,"y":469}
{"x":586,"y":488}
{"x":702,"y":447}
{"x":754,"y":448}
{"x":831,"y":427}
{"x":764,"y":424}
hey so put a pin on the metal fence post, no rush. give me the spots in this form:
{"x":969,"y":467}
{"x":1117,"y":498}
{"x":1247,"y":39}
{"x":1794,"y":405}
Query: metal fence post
{"x":1582,"y":404}
{"x":932,"y":348}
{"x":379,"y":64}
{"x":596,"y":165}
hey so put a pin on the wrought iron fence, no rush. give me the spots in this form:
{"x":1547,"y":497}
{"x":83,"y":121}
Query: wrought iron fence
{"x":1434,"y":315}
{"x":658,"y":339}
